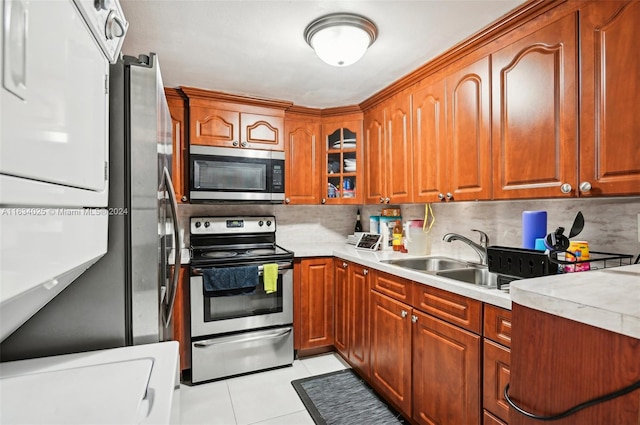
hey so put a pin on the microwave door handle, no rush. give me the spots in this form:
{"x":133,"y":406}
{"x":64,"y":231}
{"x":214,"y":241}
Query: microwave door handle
{"x":171,"y":298}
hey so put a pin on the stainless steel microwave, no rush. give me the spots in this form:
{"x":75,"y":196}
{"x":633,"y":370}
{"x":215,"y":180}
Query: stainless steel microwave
{"x":235,"y":174}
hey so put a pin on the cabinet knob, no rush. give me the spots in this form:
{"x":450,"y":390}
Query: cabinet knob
{"x":345,"y":265}
{"x":287,"y":200}
{"x":585,"y":187}
{"x":244,"y":144}
{"x":184,"y":199}
{"x":235,"y":143}
{"x":381,"y":200}
{"x":365,"y":272}
{"x":414,"y":318}
{"x":441,"y":196}
{"x":404,"y":313}
{"x":566,"y":188}
{"x":449,"y":196}
{"x":387,"y":200}
{"x":323,"y":201}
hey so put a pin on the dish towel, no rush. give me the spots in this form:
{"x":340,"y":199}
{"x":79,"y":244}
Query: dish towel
{"x":270,"y":277}
{"x":223,"y":281}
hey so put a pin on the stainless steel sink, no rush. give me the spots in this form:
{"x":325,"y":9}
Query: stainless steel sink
{"x":476,"y":275}
{"x":429,"y":264}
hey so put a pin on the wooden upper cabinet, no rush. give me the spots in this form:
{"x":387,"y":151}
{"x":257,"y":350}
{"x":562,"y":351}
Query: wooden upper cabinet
{"x":388,"y":147}
{"x":398,"y":159}
{"x":343,"y":177}
{"x":429,"y":141}
{"x":469,"y":133}
{"x":221,"y":119}
{"x":303,"y":165}
{"x":180,"y":166}
{"x":610,"y":89}
{"x":535,"y":114}
{"x":374,"y":160}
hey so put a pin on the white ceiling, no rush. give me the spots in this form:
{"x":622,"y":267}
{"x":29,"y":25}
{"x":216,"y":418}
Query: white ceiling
{"x":257,"y":48}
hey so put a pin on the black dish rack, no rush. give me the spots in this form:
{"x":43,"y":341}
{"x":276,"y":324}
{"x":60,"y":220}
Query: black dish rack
{"x":519,"y":263}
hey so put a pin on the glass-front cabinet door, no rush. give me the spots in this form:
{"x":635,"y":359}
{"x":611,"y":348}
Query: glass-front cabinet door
{"x":343,"y":183}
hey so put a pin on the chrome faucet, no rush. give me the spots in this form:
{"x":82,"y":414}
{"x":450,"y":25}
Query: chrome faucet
{"x":481,"y":248}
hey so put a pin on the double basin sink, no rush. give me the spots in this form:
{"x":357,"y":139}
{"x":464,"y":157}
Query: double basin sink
{"x":461,"y":271}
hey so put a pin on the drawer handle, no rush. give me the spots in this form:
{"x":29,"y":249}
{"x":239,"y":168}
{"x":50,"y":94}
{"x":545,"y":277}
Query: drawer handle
{"x":233,"y":340}
{"x":404,"y":313}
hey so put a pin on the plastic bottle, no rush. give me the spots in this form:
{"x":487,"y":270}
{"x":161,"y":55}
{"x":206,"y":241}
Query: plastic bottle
{"x":397,"y":236}
{"x":358,"y":223}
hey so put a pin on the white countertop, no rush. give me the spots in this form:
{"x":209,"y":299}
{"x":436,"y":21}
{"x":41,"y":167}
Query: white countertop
{"x":373,"y":260}
{"x":608,"y":298}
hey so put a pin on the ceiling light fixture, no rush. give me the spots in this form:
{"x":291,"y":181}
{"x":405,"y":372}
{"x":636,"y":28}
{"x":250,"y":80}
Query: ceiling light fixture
{"x":341,"y":39}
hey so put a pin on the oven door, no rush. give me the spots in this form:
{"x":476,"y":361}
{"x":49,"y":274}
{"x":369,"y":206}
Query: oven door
{"x":230,"y":174}
{"x":232,"y":313}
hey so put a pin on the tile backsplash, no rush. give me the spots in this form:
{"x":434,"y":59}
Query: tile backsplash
{"x":611,"y":224}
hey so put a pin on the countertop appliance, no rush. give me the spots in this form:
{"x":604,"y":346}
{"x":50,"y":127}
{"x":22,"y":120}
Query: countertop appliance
{"x":235,"y":332}
{"x":54,"y":138}
{"x":220,"y":174}
{"x":126,"y":297}
{"x":124,"y":385}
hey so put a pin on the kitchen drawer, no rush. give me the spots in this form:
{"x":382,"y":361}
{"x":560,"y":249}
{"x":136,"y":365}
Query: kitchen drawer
{"x":453,"y":308}
{"x":497,"y":324}
{"x":396,"y":287}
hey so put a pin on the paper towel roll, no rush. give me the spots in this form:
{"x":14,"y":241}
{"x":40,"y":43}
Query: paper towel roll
{"x":534,"y":225}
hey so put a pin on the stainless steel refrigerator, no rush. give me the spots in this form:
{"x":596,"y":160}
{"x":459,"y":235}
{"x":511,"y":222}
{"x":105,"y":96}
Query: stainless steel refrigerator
{"x":126,"y":298}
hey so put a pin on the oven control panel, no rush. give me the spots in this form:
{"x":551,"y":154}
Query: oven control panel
{"x":232,"y":225}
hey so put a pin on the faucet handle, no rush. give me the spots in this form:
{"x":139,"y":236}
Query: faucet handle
{"x":484,"y":238}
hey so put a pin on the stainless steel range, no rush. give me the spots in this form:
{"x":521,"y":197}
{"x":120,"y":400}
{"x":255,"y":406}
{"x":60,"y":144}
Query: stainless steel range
{"x":241,"y":297}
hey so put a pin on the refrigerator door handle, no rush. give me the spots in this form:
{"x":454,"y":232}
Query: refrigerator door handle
{"x":167,"y":312}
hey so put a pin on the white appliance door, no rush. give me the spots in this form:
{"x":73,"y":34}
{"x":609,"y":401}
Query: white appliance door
{"x":54,"y":98}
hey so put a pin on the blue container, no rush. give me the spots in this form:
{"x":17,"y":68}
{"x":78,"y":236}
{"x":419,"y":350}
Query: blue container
{"x":534,"y":226}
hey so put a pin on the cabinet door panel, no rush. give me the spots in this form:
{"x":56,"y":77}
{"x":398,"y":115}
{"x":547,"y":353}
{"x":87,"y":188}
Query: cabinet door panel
{"x":497,"y":371}
{"x":359,"y":293}
{"x":398,"y":160}
{"x":316,"y":303}
{"x":446,"y":373}
{"x":535,"y":113}
{"x":303,"y":161}
{"x":391,"y":350}
{"x":341,"y":308}
{"x":429,"y":142}
{"x":261,"y":132}
{"x":610,"y":128}
{"x":374,"y":152}
{"x":214,"y":127}
{"x":469,"y":132}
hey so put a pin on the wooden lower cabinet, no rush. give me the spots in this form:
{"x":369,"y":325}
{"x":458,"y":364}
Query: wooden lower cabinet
{"x":446,"y":373}
{"x":358,"y":301}
{"x":391,"y":350}
{"x":496,"y":375}
{"x":313,"y":306}
{"x":558,"y":363}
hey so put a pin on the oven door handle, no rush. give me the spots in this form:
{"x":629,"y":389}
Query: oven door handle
{"x":195,"y":271}
{"x":235,"y":340}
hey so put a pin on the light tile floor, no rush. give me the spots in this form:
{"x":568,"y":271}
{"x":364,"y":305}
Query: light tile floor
{"x":265,"y":398}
